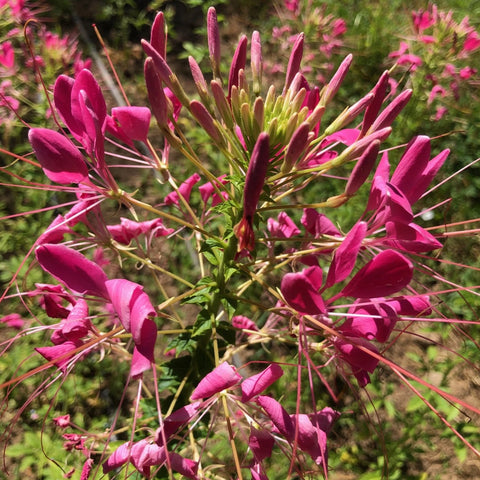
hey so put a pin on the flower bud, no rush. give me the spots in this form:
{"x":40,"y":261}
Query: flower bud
{"x":213,"y":38}
{"x":294,"y":61}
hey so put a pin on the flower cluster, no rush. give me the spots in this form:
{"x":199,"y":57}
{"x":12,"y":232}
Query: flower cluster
{"x":440,"y":52}
{"x":325,"y":38}
{"x":20,"y":64}
{"x":333,"y":293}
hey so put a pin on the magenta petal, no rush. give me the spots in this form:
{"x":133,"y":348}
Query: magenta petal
{"x":118,"y":458}
{"x":278,"y":415}
{"x":318,"y":224}
{"x":77,"y":324}
{"x":256,"y":384}
{"x":140,"y":363}
{"x":222,"y":377}
{"x":175,"y":421}
{"x":411,"y":238}
{"x":346,"y":255}
{"x":385,"y":274}
{"x":361,"y":362}
{"x":60,"y":159}
{"x":283,"y":227}
{"x":60,"y":352}
{"x":55,"y":231}
{"x":412,"y":164}
{"x":130,"y":303}
{"x":300,"y":290}
{"x":133,"y":121}
{"x":373,"y":321}
{"x":85,"y":86}
{"x":310,"y":439}
{"x":261,"y":443}
{"x":62,"y":96}
{"x":418,"y":187}
{"x":185,"y":189}
{"x":243,"y":323}
{"x":73,"y":269}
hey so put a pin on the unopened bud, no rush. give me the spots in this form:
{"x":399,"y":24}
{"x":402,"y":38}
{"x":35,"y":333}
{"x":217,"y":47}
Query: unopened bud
{"x":156,"y":95}
{"x":258,"y":114}
{"x":294,"y":61}
{"x":296,"y":147}
{"x":207,"y":122}
{"x":391,"y":112}
{"x":158,"y":35}
{"x":238,"y":63}
{"x":348,"y":115}
{"x":256,"y":61}
{"x":213,"y":38}
{"x":379,"y":92}
{"x":198,"y":78}
{"x":222,"y":103}
{"x":332,"y":88}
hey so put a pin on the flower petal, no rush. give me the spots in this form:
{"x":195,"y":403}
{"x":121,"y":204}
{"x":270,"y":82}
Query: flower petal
{"x":256,"y":384}
{"x":386,"y":273}
{"x":60,"y":159}
{"x":222,"y":377}
{"x":73,"y":269}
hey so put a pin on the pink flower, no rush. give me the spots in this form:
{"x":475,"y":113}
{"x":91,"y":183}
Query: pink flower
{"x":7,"y":55}
{"x":62,"y":422}
{"x":422,"y":20}
{"x":472,"y":42}
{"x":185,"y":190}
{"x":283,"y":227}
{"x":13,"y":320}
{"x":413,"y":61}
{"x":129,"y":229}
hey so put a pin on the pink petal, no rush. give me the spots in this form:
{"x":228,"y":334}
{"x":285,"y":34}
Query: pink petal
{"x":386,"y":273}
{"x":278,"y":415}
{"x":61,"y":352}
{"x":85,"y":82}
{"x":301,"y":291}
{"x":55,"y":231}
{"x":346,"y":255}
{"x":261,"y":443}
{"x":62,"y":95}
{"x":412,"y":164}
{"x":374,"y":321}
{"x":420,"y":185}
{"x":242,"y":322}
{"x":283,"y":227}
{"x":133,"y":121}
{"x":411,"y":238}
{"x":222,"y":377}
{"x":60,"y":159}
{"x":360,"y":361}
{"x":176,"y":421}
{"x":185,"y":190}
{"x":318,"y":224}
{"x":256,"y":384}
{"x":77,"y":324}
{"x":118,"y":458}
{"x":73,"y":269}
